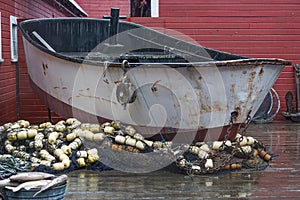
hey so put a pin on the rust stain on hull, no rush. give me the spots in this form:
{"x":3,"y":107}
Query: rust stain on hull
{"x":217,"y":107}
{"x":97,"y":98}
{"x":250,"y":84}
{"x":106,"y":81}
{"x":153,"y":87}
{"x":261,"y":72}
{"x":45,"y":68}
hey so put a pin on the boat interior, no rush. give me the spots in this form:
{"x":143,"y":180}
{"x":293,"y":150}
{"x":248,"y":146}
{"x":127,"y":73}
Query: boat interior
{"x":86,"y":39}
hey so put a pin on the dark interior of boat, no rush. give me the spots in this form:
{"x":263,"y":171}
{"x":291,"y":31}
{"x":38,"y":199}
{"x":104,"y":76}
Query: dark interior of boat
{"x":92,"y":39}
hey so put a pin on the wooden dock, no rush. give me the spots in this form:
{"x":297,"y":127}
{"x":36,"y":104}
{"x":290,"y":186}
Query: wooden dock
{"x":279,"y":181}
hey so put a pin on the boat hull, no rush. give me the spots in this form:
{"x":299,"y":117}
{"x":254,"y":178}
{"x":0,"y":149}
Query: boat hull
{"x":85,"y":94}
{"x":192,"y":101}
{"x":152,"y":133}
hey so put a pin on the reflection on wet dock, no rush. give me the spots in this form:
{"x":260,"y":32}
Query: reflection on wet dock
{"x":279,"y":181}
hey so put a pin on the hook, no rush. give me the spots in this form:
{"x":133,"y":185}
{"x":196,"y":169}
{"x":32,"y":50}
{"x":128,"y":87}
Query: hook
{"x":124,"y":64}
{"x":105,"y":68}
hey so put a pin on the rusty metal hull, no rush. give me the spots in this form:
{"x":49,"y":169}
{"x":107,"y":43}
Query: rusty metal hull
{"x":178,"y":90}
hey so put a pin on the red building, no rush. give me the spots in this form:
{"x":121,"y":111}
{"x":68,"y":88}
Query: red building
{"x":16,"y":97}
{"x":255,"y":29}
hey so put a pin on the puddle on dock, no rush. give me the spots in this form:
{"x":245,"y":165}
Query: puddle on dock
{"x":279,"y":181}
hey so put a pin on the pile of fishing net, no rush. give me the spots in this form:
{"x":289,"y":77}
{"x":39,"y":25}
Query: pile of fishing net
{"x":70,"y":144}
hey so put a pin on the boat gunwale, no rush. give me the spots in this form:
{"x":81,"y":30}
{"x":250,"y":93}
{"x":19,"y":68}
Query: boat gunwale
{"x":233,"y":62}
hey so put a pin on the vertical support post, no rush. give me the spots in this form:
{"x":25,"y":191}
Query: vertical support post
{"x":49,"y":115}
{"x":297,"y":79}
{"x":114,"y":25}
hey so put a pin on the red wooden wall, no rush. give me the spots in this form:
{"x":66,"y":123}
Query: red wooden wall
{"x":29,"y":107}
{"x":7,"y":70}
{"x":252,"y":28}
{"x":97,"y":9}
{"x":255,"y":28}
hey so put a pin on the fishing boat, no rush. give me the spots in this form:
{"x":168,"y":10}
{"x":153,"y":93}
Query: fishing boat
{"x":167,"y":88}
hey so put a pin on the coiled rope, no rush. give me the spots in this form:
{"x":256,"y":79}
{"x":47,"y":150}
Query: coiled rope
{"x":10,"y":165}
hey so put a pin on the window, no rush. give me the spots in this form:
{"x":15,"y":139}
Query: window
{"x":154,"y":8}
{"x":1,"y":59}
{"x":13,"y":39}
{"x":144,"y":8}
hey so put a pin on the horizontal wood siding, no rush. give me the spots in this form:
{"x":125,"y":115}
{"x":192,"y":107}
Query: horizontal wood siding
{"x":7,"y":69}
{"x":98,"y":9}
{"x":256,"y":29}
{"x":30,"y":107}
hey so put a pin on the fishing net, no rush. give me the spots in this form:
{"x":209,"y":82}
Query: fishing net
{"x":10,"y":165}
{"x":70,"y":145}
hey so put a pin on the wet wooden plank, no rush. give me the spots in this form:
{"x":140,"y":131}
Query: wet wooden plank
{"x":279,"y":181}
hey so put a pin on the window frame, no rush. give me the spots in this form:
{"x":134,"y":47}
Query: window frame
{"x":154,"y":9}
{"x":1,"y":58}
{"x":14,"y":38}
